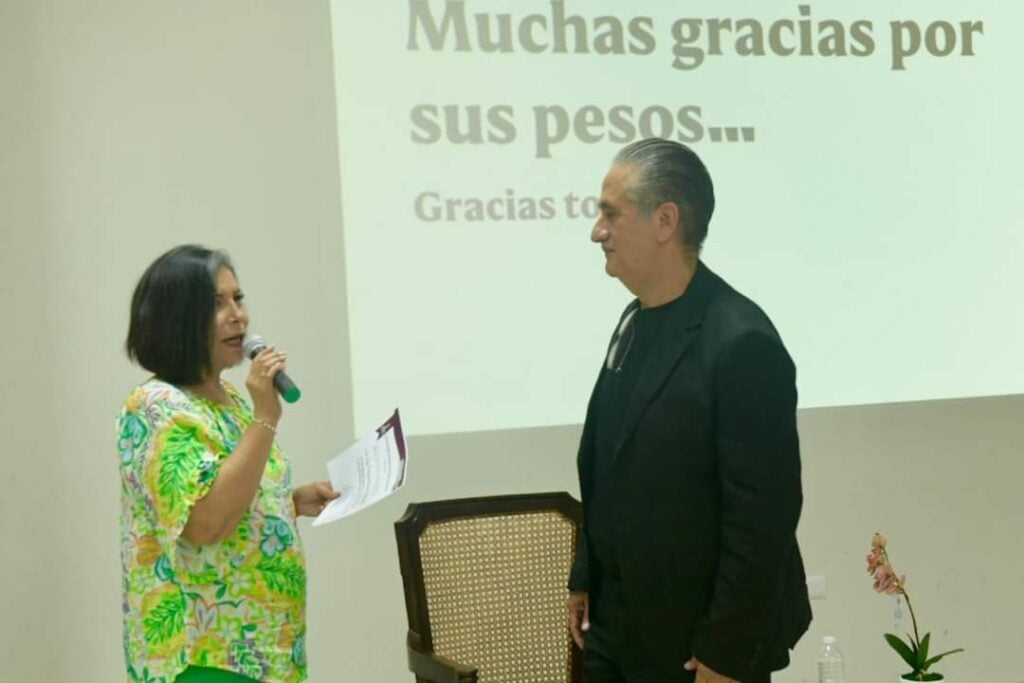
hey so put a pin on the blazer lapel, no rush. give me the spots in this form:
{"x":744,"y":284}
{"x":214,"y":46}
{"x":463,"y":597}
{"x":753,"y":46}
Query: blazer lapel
{"x":679,"y":332}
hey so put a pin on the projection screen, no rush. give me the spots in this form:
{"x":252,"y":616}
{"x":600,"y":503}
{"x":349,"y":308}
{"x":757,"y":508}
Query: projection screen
{"x":866,"y":167}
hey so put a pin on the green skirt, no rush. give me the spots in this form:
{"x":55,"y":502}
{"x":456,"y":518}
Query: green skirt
{"x":202,"y":674}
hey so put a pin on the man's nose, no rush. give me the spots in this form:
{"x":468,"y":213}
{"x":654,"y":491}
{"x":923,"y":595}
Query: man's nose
{"x":599,"y":233}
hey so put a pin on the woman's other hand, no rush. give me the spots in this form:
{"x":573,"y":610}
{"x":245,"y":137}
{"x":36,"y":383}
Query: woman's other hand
{"x":311,"y":499}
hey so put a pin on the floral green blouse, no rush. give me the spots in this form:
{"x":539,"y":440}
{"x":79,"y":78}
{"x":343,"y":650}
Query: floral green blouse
{"x":238,"y":604}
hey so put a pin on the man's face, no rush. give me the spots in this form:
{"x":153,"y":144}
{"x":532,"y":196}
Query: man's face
{"x":628,"y":240}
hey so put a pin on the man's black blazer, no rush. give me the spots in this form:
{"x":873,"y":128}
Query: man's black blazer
{"x":706,"y":493}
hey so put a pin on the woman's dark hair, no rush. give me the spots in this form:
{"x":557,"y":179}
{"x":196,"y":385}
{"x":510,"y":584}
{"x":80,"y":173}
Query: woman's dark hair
{"x":172,"y":310}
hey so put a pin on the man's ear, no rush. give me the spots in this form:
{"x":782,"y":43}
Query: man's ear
{"x":666,"y":218}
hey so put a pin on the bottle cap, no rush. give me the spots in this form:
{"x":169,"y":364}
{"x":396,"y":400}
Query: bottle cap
{"x":829,"y":640}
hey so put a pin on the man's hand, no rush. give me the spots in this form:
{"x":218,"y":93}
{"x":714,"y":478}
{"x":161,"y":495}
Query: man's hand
{"x":579,"y":616}
{"x":311,"y":499}
{"x":706,"y":675}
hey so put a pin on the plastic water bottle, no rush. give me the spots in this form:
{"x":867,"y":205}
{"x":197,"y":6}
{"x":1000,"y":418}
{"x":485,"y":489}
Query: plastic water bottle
{"x":830,"y":662}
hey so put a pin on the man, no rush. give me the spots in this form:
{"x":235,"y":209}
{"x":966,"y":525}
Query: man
{"x":689,"y":462}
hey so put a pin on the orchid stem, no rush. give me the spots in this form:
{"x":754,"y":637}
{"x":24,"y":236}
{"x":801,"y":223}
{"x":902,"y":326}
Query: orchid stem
{"x":917,"y":637}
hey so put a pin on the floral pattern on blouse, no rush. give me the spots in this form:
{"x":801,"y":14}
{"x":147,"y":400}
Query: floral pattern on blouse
{"x":238,"y":604}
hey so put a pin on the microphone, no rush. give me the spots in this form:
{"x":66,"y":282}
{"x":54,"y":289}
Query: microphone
{"x":282,"y":382}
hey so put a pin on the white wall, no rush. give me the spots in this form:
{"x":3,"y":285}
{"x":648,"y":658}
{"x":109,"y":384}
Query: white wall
{"x":126,"y":128}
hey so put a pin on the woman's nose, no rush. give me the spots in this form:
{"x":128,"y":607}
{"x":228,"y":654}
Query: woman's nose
{"x":238,"y":313}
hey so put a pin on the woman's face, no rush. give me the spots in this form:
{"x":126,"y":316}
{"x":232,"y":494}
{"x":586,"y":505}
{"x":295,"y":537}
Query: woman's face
{"x":230,"y":322}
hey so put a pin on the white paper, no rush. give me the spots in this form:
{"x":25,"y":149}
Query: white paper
{"x":372,"y":469}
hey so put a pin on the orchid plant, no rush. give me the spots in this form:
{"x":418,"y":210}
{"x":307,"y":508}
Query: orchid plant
{"x":915,"y":649}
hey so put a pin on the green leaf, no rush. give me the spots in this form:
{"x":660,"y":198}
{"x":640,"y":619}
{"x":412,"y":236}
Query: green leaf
{"x":936,"y":658}
{"x":922,"y":652}
{"x":133,"y":433}
{"x":166,"y":620}
{"x":283,"y":576}
{"x":179,"y":461}
{"x":163,"y":569}
{"x":206,"y":577}
{"x":299,"y":652}
{"x":247,"y":659}
{"x":905,"y":651}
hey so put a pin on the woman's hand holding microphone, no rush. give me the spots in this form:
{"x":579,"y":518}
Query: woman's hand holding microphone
{"x":266,"y":404}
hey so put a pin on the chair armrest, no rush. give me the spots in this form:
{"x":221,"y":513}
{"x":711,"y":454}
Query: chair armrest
{"x":433,"y":667}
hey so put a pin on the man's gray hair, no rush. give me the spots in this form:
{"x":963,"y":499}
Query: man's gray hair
{"x":670,"y":172}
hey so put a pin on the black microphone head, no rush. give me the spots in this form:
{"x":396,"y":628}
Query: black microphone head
{"x":253,"y":345}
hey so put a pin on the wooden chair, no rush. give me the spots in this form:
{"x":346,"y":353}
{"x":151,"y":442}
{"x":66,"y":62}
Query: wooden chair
{"x":485,"y":588}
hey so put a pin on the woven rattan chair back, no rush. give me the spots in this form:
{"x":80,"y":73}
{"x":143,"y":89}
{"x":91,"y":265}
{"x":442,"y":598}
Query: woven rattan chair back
{"x":485,"y":585}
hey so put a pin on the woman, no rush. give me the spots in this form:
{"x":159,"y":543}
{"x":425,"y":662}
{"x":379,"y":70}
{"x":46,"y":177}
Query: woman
{"x":214,"y":576}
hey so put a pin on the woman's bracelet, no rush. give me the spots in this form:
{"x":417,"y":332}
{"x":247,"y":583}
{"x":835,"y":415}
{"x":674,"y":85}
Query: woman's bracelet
{"x":265,"y":425}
